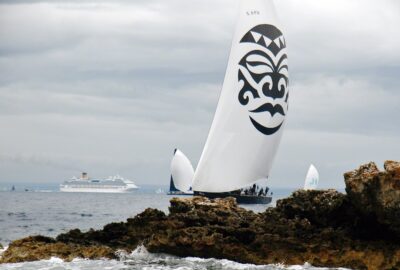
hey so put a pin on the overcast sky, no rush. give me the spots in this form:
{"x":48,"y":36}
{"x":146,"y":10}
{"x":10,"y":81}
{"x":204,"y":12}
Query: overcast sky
{"x":114,"y":86}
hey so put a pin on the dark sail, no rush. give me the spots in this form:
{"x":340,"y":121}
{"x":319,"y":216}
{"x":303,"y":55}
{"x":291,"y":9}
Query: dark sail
{"x":172,"y":187}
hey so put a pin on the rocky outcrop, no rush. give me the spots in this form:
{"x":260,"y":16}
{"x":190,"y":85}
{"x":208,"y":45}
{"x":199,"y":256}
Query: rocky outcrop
{"x":376,"y":194}
{"x":324,"y":228}
{"x":35,"y":248}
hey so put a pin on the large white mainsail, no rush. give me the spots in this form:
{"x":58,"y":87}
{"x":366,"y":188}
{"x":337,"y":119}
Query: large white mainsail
{"x":312,"y":178}
{"x":250,"y":115}
{"x":181,"y":171}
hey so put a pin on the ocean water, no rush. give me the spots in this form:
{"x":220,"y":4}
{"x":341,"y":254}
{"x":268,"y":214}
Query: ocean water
{"x":43,"y":210}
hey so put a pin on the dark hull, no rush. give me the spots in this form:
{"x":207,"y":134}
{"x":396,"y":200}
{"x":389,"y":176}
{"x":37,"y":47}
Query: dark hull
{"x":179,"y":193}
{"x":240,"y":199}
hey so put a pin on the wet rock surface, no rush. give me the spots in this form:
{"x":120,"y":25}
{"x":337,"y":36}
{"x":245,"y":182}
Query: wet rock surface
{"x":358,"y":230}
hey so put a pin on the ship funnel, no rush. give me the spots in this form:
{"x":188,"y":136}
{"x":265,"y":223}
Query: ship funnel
{"x":84,"y":176}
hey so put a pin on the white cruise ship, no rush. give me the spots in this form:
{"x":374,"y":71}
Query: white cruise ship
{"x":115,"y":184}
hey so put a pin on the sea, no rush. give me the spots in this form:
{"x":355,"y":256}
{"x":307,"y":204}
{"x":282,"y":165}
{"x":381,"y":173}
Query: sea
{"x":34,"y":209}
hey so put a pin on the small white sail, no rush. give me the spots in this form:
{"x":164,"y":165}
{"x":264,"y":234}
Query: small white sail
{"x":312,"y":178}
{"x":181,"y":171}
{"x":251,"y":111}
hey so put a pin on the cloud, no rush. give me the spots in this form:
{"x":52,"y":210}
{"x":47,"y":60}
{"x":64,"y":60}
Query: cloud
{"x":344,"y":104}
{"x":333,"y":153}
{"x":338,"y":36}
{"x":40,"y":161}
{"x":115,"y":86}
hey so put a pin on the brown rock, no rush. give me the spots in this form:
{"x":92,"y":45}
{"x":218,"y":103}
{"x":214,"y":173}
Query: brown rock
{"x":319,"y":207}
{"x":309,"y":226}
{"x":38,"y":248}
{"x":376,"y":194}
{"x":393,"y":168}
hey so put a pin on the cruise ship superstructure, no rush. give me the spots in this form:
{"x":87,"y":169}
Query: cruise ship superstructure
{"x":115,"y":184}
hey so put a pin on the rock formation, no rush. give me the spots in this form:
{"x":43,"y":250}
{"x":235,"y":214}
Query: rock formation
{"x":359,"y":230}
{"x":36,"y":248}
{"x":376,"y":194}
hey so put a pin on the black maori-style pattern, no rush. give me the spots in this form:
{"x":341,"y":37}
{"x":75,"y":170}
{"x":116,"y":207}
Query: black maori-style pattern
{"x":264,"y":74}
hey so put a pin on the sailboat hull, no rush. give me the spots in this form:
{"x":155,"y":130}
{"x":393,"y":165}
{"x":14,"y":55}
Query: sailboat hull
{"x":179,"y":193}
{"x":240,"y":199}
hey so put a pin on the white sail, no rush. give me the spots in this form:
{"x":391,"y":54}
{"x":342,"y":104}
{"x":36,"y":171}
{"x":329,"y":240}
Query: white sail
{"x":181,"y":171}
{"x":312,"y":178}
{"x":251,"y":111}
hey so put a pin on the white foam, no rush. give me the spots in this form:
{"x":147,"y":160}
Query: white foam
{"x":139,"y":253}
{"x":2,"y":250}
{"x":55,"y":260}
{"x":140,"y":258}
{"x":226,"y":264}
{"x":58,"y":264}
{"x":308,"y":266}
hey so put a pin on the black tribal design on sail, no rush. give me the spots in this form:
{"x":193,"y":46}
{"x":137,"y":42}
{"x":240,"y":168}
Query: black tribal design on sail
{"x":263,"y":77}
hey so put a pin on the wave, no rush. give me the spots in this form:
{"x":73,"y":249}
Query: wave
{"x":57,"y":263}
{"x":2,"y":250}
{"x":140,"y":258}
{"x":146,"y":260}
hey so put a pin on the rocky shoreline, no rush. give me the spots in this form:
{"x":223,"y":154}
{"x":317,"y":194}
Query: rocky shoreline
{"x":357,"y":230}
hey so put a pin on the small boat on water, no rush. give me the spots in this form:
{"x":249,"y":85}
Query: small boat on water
{"x":251,"y":111}
{"x":160,"y":191}
{"x":181,"y":175}
{"x":312,"y":178}
{"x":114,"y":184}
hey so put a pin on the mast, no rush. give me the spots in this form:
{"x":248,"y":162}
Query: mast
{"x":250,"y":116}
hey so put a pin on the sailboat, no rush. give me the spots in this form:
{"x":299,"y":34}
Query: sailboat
{"x":312,"y":178}
{"x":181,"y":175}
{"x":250,"y":115}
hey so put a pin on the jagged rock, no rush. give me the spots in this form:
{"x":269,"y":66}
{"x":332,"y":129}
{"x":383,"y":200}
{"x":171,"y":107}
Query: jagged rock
{"x":323,"y":227}
{"x":124,"y":235}
{"x":319,"y":207}
{"x":376,"y":194}
{"x":35,"y":248}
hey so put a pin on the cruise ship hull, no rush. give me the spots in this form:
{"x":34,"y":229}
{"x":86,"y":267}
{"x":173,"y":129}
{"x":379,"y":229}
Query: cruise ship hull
{"x":96,"y":190}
